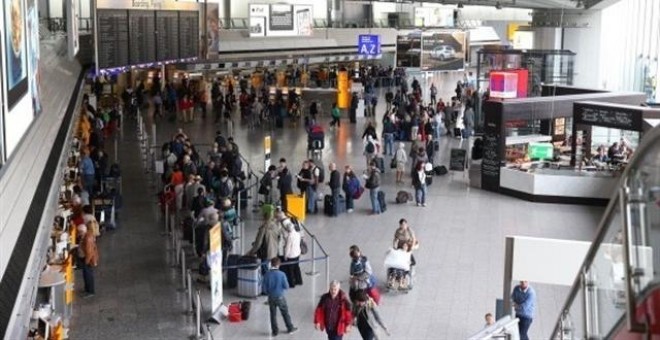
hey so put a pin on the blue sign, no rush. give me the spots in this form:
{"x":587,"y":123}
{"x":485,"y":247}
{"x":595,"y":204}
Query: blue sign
{"x":369,"y":44}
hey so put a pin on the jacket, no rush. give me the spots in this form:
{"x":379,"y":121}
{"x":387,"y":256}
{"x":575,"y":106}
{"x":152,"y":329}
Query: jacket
{"x":292,"y":243}
{"x":284,"y":184}
{"x":269,"y":232}
{"x":345,"y":318}
{"x":88,"y":246}
{"x":374,"y":179}
{"x":334,"y":180}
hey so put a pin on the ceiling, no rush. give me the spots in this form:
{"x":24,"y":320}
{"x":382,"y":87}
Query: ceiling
{"x":535,"y":4}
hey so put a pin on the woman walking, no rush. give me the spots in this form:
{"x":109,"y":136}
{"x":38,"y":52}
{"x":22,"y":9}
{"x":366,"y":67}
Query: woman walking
{"x":367,"y":318}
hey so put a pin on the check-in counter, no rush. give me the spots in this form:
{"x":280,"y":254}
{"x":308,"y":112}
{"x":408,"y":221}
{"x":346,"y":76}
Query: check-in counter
{"x":559,"y":186}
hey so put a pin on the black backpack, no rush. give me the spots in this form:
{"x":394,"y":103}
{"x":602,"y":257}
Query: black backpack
{"x":370,"y":148}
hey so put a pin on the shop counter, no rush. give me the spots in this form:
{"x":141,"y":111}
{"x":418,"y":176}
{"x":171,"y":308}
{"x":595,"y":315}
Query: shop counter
{"x":559,"y":186}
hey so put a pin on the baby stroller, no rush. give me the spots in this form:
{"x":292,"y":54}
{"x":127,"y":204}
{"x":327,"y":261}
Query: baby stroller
{"x":398,"y":263}
{"x":315,"y":140}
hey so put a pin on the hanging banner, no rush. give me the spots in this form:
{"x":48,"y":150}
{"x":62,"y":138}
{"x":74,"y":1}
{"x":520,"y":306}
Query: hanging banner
{"x":266,"y":153}
{"x":214,"y":259}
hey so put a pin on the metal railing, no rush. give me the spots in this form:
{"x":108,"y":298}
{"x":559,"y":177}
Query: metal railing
{"x":244,"y":24}
{"x":622,"y":266}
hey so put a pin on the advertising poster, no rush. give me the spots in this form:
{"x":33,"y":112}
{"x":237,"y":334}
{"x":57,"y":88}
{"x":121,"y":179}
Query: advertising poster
{"x":34,"y":55}
{"x":73,"y":18}
{"x":280,"y":20}
{"x":408,"y":50}
{"x":443,"y":51}
{"x":212,"y":29}
{"x":214,"y":259}
{"x":15,"y":51}
{"x":434,"y":17}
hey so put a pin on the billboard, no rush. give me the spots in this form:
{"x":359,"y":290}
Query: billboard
{"x":434,"y":17}
{"x":280,"y":20}
{"x":443,"y":51}
{"x":34,"y":55}
{"x":409,"y":50}
{"x":15,"y":51}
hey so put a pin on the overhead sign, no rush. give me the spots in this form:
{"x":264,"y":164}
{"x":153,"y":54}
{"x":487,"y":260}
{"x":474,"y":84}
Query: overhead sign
{"x":369,"y":44}
{"x":280,"y":20}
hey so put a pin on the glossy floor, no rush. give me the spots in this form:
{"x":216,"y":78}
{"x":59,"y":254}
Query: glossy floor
{"x":460,"y":261}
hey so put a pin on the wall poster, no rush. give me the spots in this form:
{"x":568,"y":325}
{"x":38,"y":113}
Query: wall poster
{"x":281,"y":20}
{"x":15,"y":51}
{"x":34,"y":55}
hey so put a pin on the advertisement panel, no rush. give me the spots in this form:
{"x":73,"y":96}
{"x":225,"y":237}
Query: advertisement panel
{"x":408,"y":50}
{"x":72,"y":19}
{"x":434,"y":17}
{"x":34,"y":55}
{"x":443,"y":51}
{"x":214,"y":259}
{"x":15,"y":51}
{"x":212,"y":29}
{"x":280,"y":20}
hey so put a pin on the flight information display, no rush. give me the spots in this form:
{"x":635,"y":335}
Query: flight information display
{"x":142,"y":38}
{"x":167,"y":35}
{"x":112,"y":38}
{"x":188,"y":34}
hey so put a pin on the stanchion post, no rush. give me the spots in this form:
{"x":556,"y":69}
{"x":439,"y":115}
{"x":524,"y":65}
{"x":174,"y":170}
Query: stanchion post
{"x":183,"y":268}
{"x":191,"y":304}
{"x":198,"y":316}
{"x":153,"y":134}
{"x":327,"y":271}
{"x":313,"y":272}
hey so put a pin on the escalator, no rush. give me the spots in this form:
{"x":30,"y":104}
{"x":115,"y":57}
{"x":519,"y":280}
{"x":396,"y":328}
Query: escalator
{"x":616,"y":294}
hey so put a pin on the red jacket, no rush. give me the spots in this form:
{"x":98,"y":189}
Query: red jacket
{"x":345,"y":319}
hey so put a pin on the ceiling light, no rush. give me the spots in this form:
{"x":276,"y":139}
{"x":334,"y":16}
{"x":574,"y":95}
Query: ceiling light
{"x":498,"y":5}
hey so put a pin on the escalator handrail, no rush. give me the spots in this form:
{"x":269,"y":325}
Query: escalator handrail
{"x":647,"y":144}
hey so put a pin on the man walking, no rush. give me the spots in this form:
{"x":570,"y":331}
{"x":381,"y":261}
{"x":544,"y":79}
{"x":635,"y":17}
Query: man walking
{"x":275,"y":284}
{"x":333,"y":313}
{"x":524,"y":302}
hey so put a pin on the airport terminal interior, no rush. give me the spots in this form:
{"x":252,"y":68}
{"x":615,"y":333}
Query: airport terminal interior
{"x":312,"y":169}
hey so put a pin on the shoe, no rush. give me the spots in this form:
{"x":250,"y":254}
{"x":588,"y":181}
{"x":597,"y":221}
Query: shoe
{"x":350,"y":210}
{"x":418,"y":204}
{"x":423,"y":204}
{"x":88,"y":295}
{"x":293,"y":330}
{"x":273,"y":333}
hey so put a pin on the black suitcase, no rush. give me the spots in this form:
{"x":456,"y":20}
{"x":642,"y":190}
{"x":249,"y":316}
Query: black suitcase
{"x":440,"y":170}
{"x":341,"y":205}
{"x":381,"y":201}
{"x":457,"y":132}
{"x":328,"y":205}
{"x":187,"y":227}
{"x":232,"y":273}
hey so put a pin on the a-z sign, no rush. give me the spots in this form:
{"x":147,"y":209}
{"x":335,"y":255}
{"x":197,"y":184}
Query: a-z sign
{"x":369,"y":44}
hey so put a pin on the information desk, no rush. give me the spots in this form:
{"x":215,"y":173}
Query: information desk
{"x":559,"y":186}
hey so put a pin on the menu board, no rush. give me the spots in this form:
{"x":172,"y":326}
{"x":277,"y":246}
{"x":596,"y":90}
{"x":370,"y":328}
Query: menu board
{"x":490,"y":164}
{"x":112,"y":38}
{"x":608,"y":116}
{"x":188,"y":34}
{"x":167,"y":35}
{"x":457,"y":159}
{"x":142,"y":40}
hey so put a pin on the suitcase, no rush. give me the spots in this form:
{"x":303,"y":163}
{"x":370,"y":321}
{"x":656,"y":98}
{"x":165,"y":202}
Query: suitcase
{"x":381,"y":201}
{"x":380,"y":163}
{"x":249,"y":278}
{"x":403,"y":197}
{"x":341,"y":205}
{"x":187,"y":227}
{"x":232,"y":273}
{"x":457,"y":132}
{"x":440,"y":170}
{"x":328,"y":205}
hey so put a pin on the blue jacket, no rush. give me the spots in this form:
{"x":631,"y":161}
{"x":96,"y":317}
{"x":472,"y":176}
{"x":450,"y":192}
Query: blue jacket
{"x":87,"y":166}
{"x":275,"y":283}
{"x":525,"y":301}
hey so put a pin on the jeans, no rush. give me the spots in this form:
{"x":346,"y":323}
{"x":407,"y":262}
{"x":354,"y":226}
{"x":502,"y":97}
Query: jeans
{"x":332,"y":335}
{"x":88,"y":277}
{"x":88,"y":183}
{"x":279,"y":303}
{"x":523,"y":326}
{"x":349,"y":202}
{"x":375,"y":205}
{"x":420,"y":194}
{"x":335,"y":200}
{"x":311,"y":199}
{"x":389,"y":143}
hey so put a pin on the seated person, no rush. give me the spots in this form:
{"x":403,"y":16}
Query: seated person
{"x":601,"y":156}
{"x":613,"y":152}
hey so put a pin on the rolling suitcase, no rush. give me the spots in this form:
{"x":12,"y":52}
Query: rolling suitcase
{"x":328,"y":205}
{"x":341,"y":205}
{"x":381,"y":201}
{"x":232,"y":273}
{"x":380,"y":163}
{"x":249,"y":278}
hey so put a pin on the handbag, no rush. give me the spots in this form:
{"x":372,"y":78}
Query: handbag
{"x":393,"y":163}
{"x":303,"y":247}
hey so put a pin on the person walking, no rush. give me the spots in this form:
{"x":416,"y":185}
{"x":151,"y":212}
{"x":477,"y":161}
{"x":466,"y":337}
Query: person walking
{"x":401,"y":158}
{"x":419,"y":182}
{"x":333,"y":313}
{"x":524,"y":303}
{"x":335,"y":186}
{"x":275,"y":285}
{"x":89,"y":254}
{"x":367,"y":318}
{"x":336,"y":114}
{"x":373,"y":184}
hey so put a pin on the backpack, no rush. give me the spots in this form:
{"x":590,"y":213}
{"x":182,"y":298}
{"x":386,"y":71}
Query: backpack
{"x":370,"y":148}
{"x":353,"y":186}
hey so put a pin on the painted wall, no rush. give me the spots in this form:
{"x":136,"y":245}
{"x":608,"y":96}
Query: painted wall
{"x":586,"y":43}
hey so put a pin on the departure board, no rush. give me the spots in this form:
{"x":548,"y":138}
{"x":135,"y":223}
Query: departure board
{"x":188,"y":34}
{"x":167,"y":35}
{"x":142,"y":38}
{"x":112,"y":38}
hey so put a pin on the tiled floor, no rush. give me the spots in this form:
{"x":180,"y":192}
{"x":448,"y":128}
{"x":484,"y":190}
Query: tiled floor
{"x":460,"y":261}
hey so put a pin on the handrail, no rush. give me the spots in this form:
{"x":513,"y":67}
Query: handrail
{"x":648,"y":144}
